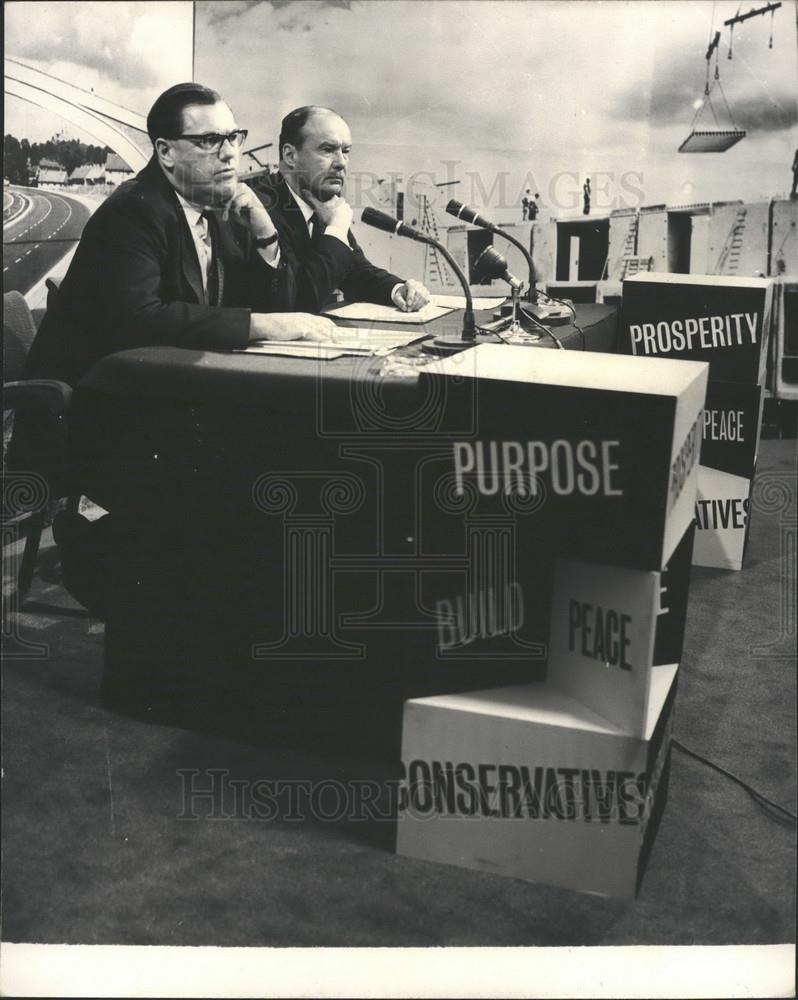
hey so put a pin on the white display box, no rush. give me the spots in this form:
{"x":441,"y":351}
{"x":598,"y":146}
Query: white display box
{"x":722,"y":516}
{"x":615,"y":632}
{"x":732,"y":425}
{"x":529,"y":783}
{"x":601,"y":642}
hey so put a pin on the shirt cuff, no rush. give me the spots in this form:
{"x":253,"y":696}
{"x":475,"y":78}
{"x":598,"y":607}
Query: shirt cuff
{"x":339,"y":234}
{"x":394,"y":290}
{"x":271,"y":255}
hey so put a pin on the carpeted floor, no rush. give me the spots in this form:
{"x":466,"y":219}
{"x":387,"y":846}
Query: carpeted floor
{"x":96,"y":850}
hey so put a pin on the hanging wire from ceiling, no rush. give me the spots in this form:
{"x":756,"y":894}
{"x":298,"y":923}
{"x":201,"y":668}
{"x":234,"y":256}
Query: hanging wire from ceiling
{"x":738,"y":18}
{"x":719,"y":138}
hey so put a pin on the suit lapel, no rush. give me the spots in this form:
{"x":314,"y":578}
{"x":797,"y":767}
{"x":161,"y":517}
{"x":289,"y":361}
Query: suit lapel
{"x":189,"y":262}
{"x":190,"y":272}
{"x":293,"y":213}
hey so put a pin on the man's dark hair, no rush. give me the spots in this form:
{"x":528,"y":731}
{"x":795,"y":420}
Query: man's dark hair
{"x":293,"y":123}
{"x":165,"y":120}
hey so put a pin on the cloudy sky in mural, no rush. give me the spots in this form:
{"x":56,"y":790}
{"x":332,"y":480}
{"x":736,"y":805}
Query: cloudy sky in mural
{"x":496,"y":95}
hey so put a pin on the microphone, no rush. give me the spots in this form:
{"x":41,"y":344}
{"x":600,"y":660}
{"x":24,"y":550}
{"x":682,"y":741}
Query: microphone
{"x":491,"y":264}
{"x":461,"y":211}
{"x":388,"y":224}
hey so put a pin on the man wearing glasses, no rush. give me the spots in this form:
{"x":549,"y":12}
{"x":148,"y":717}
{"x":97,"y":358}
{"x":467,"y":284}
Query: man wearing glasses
{"x":182,"y":255}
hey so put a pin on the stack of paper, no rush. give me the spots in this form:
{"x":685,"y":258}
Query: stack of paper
{"x":348,"y":340}
{"x":370,"y":313}
{"x":295,"y":349}
{"x":458,"y":301}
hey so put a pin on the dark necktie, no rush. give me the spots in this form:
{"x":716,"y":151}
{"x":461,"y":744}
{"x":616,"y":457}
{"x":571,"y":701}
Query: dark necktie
{"x":316,"y":229}
{"x":215,"y":288}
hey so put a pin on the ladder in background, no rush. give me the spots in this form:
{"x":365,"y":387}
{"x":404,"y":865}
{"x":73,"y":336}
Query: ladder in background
{"x":729,"y":259}
{"x":628,"y":254}
{"x":436,"y":270}
{"x":635,"y":265}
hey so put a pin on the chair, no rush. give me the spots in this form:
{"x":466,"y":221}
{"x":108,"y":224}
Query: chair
{"x":52,"y":285}
{"x":35,"y":462}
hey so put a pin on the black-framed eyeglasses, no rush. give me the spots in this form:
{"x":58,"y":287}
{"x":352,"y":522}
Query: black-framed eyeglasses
{"x":212,"y":142}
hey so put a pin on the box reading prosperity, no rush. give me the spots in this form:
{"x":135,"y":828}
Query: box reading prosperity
{"x":726,"y":322}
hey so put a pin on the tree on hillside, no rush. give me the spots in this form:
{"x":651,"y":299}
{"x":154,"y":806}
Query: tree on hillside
{"x":15,"y":159}
{"x":69,"y":153}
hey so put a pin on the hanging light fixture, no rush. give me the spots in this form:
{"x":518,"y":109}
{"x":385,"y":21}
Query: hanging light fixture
{"x":717,"y":139}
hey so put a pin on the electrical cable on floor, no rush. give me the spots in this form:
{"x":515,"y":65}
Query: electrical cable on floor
{"x":782,"y":815}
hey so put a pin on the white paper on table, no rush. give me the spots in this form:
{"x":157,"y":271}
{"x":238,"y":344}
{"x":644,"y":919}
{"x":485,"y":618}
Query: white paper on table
{"x":297,"y":349}
{"x":374,"y":339}
{"x":458,"y":301}
{"x":348,"y":340}
{"x":372,"y":313}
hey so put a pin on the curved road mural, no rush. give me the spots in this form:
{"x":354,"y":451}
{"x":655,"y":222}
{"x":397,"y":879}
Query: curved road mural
{"x":39,"y":227}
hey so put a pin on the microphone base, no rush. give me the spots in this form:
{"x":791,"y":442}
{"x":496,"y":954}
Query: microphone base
{"x":445,"y":346}
{"x":510,"y":332}
{"x":553,"y":315}
{"x":522,"y":337}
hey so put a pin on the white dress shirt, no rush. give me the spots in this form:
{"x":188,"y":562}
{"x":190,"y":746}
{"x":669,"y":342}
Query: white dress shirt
{"x":198,"y":227}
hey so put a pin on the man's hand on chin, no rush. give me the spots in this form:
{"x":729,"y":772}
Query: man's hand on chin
{"x":292,"y":326}
{"x":410,"y":296}
{"x":245,"y":207}
{"x":334,"y":213}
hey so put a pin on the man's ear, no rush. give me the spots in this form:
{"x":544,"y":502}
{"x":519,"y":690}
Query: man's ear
{"x":165,"y":153}
{"x":288,"y":154}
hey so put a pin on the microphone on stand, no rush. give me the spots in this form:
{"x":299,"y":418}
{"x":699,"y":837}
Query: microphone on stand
{"x":388,"y":224}
{"x":491,"y":264}
{"x":466,"y":214}
{"x":522,"y":327}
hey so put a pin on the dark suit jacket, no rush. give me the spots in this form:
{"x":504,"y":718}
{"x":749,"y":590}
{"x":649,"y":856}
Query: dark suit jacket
{"x":135,"y":280}
{"x":321,"y":265}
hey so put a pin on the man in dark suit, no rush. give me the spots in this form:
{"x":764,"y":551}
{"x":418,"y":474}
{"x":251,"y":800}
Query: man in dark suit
{"x":182,"y":255}
{"x":306,"y":203}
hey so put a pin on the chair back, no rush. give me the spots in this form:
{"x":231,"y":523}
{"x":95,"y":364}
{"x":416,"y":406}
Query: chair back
{"x":19,"y":330}
{"x":53,"y":287}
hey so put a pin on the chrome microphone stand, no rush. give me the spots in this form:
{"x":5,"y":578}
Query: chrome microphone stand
{"x":515,"y":333}
{"x":511,"y":329}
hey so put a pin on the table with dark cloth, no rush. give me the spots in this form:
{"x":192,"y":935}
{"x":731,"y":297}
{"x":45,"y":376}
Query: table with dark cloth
{"x":278,"y":523}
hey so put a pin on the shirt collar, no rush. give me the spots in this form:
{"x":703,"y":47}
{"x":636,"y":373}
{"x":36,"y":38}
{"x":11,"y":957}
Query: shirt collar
{"x":304,"y":208}
{"x":192,"y":213}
